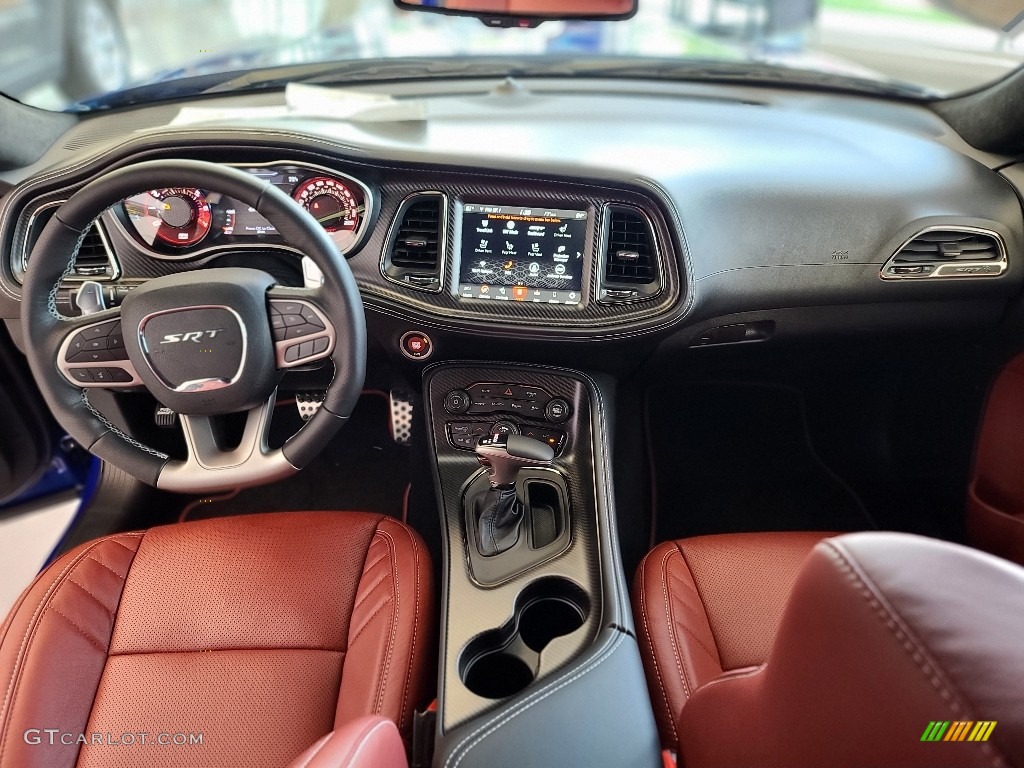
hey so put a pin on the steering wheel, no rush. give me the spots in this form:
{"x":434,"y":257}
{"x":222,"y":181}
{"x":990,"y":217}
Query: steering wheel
{"x":204,"y":343}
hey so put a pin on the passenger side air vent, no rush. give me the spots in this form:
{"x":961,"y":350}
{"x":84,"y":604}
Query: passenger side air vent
{"x":630,"y":265}
{"x":948,"y":252}
{"x":414,"y":254}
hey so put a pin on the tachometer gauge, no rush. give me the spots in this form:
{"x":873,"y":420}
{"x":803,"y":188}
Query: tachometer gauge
{"x":336,"y":206}
{"x":177,"y":216}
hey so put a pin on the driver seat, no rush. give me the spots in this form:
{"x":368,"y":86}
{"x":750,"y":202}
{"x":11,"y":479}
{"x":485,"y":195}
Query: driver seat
{"x":256,"y":635}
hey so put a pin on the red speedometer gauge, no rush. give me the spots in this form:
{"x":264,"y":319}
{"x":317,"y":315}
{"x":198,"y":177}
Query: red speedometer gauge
{"x":177,"y":216}
{"x":335,"y":205}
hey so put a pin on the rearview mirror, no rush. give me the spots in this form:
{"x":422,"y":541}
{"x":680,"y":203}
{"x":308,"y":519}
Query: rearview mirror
{"x":526,"y":13}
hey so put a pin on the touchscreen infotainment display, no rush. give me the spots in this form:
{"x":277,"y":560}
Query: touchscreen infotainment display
{"x":518,"y":253}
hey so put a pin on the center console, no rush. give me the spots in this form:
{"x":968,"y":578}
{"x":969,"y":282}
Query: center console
{"x":539,"y":661}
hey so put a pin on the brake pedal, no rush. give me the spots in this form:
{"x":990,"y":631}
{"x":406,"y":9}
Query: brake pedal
{"x":308,"y":404}
{"x":401,"y":416}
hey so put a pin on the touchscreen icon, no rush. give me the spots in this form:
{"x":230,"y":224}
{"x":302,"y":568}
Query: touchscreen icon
{"x":561,"y":249}
{"x":485,"y":223}
{"x":484,"y":244}
{"x":534,"y":268}
{"x":509,"y":246}
{"x":510,"y":225}
{"x":559,"y":269}
{"x":508,"y":265}
{"x":535,"y":247}
{"x":519,"y":293}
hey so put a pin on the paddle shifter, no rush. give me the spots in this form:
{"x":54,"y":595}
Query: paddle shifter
{"x":502,"y":511}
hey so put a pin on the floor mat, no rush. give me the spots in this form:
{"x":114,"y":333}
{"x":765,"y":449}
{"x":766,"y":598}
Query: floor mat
{"x":361,"y":469}
{"x":730,"y":458}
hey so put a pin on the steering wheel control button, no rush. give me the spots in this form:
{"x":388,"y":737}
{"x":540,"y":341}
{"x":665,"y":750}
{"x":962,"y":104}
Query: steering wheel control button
{"x":81,"y":375}
{"x":457,"y":401}
{"x":557,"y":410}
{"x":293,"y":320}
{"x":118,"y":375}
{"x":416,"y":345}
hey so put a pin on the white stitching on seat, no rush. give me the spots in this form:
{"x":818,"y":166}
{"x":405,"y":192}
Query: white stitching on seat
{"x":913,"y":646}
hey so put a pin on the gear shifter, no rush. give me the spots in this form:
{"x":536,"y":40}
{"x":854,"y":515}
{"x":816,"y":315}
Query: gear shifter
{"x":502,"y":516}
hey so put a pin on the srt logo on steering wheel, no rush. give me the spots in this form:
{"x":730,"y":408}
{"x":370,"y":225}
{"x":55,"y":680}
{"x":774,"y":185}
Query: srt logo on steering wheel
{"x":196,"y":336}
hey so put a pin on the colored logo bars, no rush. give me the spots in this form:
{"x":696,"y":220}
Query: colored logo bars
{"x":958,"y":730}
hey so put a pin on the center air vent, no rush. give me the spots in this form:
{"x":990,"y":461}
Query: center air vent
{"x":948,"y":252}
{"x":630,"y":268}
{"x":414,"y":254}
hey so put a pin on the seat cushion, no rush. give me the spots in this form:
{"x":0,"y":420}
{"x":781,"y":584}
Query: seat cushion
{"x":711,"y":604}
{"x":256,"y":635}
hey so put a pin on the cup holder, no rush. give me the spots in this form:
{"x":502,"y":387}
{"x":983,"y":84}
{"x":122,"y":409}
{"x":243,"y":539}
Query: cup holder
{"x":503,"y":661}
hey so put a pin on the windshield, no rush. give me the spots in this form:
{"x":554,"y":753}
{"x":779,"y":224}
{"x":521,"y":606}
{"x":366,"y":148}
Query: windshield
{"x":55,"y":53}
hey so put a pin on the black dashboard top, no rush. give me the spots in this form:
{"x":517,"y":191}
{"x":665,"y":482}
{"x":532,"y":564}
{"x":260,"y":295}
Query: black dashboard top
{"x":681,"y":203}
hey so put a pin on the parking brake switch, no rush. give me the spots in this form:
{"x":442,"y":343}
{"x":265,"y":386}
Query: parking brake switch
{"x":503,"y":512}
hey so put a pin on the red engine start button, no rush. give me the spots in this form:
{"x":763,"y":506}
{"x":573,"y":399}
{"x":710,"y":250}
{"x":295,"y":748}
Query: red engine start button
{"x":416,"y":345}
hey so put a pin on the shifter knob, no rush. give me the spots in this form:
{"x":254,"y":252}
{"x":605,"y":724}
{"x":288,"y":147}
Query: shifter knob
{"x":505,"y":455}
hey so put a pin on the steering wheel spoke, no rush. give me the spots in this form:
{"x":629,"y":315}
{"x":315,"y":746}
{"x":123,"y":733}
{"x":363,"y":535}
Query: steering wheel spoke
{"x":301,"y":330}
{"x":211,"y":466}
{"x":93,"y":353}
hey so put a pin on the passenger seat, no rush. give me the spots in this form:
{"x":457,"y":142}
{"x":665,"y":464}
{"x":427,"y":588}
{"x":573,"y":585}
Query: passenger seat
{"x":800,"y":650}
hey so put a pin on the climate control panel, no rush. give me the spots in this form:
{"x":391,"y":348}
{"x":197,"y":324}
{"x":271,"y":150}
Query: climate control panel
{"x":510,"y":408}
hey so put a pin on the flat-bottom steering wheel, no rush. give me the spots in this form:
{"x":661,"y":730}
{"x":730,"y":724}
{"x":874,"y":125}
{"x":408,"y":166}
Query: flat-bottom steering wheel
{"x":204,"y":343}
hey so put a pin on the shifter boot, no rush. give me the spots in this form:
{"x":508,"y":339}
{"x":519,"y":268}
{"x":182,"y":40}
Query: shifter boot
{"x":497,"y":528}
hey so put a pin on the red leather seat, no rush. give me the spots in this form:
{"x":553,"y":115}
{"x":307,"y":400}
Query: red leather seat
{"x":797,"y":650}
{"x":258,"y":635}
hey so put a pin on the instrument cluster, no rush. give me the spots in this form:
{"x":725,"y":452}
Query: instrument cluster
{"x":182,"y":223}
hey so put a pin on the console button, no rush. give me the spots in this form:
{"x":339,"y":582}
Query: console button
{"x":457,"y":401}
{"x":504,"y":428}
{"x":557,"y":410}
{"x":464,"y":441}
{"x":483,"y":391}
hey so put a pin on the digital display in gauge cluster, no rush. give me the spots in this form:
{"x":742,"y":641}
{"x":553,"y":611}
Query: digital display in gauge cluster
{"x":522,"y":253}
{"x":179,"y":220}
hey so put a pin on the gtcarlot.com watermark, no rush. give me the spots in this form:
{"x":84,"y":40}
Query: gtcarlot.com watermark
{"x":54,"y":736}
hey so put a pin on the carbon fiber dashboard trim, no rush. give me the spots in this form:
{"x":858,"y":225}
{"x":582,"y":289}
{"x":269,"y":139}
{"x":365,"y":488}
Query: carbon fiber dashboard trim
{"x":394,"y":184}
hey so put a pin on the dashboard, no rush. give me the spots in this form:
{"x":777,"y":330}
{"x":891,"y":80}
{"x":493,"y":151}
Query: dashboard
{"x":730,"y":215}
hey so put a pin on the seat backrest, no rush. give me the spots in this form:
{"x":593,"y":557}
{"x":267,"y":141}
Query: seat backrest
{"x":885,"y":637}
